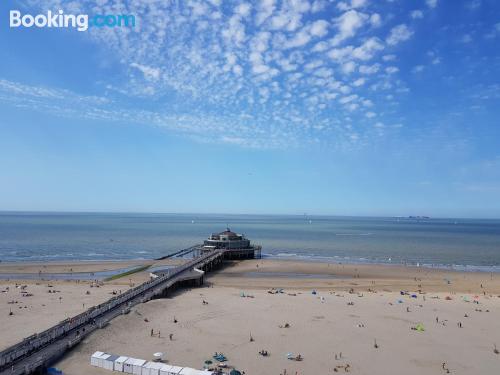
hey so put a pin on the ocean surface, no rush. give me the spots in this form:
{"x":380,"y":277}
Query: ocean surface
{"x":466,"y":244}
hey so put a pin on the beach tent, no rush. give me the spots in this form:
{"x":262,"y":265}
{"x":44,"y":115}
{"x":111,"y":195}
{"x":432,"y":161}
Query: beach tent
{"x":94,"y":358}
{"x":119,"y":363}
{"x":109,"y":362}
{"x":420,"y":327}
{"x":152,"y":368}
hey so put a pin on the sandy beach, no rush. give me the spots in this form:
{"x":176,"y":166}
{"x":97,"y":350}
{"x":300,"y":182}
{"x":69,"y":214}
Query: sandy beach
{"x":39,"y":303}
{"x":354,"y":306}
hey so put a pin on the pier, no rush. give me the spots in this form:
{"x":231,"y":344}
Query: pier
{"x":37,"y":352}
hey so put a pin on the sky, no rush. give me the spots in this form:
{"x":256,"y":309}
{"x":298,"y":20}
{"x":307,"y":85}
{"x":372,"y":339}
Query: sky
{"x":354,"y":107}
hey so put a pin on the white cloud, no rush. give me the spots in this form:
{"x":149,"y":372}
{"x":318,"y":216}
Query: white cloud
{"x":375,"y":20}
{"x":348,"y":24}
{"x":319,"y":28}
{"x":367,"y":50}
{"x":359,"y":82}
{"x":318,"y":6}
{"x":149,"y":73}
{"x":265,"y":10}
{"x":348,"y":67}
{"x":369,"y":69}
{"x":416,"y":14}
{"x":353,"y":4}
{"x":299,"y":39}
{"x":398,"y":34}
{"x":243,"y":9}
{"x":321,"y":46}
{"x":391,"y":69}
{"x":370,"y":114}
{"x":431,"y":3}
{"x":275,"y":62}
{"x":339,"y":54}
{"x":417,"y":69}
{"x":348,"y":99}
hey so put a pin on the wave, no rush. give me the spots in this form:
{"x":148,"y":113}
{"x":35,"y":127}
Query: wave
{"x":362,"y":260}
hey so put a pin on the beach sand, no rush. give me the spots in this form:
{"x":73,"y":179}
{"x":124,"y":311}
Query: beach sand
{"x":322,"y":325}
{"x":35,"y":309}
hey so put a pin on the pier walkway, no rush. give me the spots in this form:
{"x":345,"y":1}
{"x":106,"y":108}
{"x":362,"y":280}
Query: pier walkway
{"x":37,"y":352}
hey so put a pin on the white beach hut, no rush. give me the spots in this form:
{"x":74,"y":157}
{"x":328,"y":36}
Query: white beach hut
{"x":94,"y":358}
{"x":109,"y":362}
{"x":165,"y":369}
{"x":173,"y":370}
{"x":119,"y":363}
{"x":152,"y":368}
{"x":192,"y":371}
{"x":137,"y":368}
{"x":128,"y":365}
{"x":188,"y":371}
{"x":101,"y":361}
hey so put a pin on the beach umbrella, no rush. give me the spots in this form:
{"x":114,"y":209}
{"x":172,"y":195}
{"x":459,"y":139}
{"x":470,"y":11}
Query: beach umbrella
{"x":234,"y":372}
{"x":208,"y":362}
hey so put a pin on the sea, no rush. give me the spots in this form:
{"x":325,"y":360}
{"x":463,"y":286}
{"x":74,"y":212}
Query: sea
{"x":461,"y":244}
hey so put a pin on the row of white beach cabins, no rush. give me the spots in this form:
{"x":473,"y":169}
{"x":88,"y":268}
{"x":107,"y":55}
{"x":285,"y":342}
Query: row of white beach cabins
{"x":139,"y":366}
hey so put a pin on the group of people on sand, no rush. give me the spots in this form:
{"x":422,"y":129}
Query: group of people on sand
{"x":152,"y":333}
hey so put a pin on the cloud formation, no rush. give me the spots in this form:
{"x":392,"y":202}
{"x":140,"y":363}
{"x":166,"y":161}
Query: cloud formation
{"x":257,"y":72}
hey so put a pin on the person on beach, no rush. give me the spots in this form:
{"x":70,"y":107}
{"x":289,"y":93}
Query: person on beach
{"x":152,"y":332}
{"x":171,"y":336}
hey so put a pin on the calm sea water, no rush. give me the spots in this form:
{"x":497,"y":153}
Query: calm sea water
{"x":458,"y":243}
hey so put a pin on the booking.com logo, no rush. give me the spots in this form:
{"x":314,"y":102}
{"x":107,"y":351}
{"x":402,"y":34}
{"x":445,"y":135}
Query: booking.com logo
{"x":59,"y":19}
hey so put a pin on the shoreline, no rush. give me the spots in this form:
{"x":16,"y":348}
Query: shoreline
{"x":122,"y":264}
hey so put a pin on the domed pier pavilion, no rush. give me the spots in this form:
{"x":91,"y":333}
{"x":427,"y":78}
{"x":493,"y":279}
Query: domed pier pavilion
{"x":236,"y":245}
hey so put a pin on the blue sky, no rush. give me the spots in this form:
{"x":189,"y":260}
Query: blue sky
{"x":357,"y":107}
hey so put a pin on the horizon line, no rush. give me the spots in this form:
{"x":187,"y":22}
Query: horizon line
{"x":422,"y":217}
